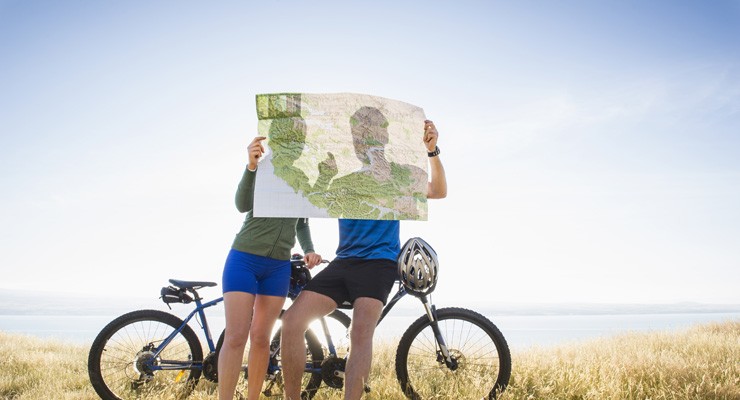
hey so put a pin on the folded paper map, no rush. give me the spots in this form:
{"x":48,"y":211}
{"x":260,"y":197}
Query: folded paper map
{"x":340,"y":155}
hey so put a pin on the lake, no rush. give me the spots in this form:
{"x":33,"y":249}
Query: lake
{"x":521,"y":331}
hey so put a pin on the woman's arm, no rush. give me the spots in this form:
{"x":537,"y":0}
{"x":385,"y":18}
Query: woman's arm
{"x":244,"y":198}
{"x":303,"y":232}
{"x":245,"y":191}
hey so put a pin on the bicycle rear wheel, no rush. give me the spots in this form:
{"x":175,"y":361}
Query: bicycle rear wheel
{"x":338,"y":325}
{"x":481,"y":359}
{"x":123,"y":362}
{"x":273,"y":385}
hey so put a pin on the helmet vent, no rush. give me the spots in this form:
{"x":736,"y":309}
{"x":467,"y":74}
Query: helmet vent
{"x":418,"y":267}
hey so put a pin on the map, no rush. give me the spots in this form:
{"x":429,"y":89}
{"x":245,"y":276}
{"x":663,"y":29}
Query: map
{"x":340,"y":155}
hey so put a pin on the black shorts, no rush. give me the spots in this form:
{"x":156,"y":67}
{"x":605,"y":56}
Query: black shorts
{"x":346,"y":279}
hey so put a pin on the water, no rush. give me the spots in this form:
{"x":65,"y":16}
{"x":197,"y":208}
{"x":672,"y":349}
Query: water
{"x":521,"y":331}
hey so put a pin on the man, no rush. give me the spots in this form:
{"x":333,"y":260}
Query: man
{"x":380,"y":188}
{"x":362,"y":274}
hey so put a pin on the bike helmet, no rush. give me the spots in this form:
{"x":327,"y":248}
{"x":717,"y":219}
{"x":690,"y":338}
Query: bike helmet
{"x":417,"y":267}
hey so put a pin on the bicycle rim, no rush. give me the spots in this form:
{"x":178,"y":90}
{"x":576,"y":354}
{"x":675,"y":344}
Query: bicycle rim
{"x":121,"y":355}
{"x":310,"y":382}
{"x":272,"y":386}
{"x":483,"y":362}
{"x":338,"y":325}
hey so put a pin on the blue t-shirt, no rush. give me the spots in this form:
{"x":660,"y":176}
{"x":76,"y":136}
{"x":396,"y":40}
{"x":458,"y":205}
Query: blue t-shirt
{"x":369,"y":239}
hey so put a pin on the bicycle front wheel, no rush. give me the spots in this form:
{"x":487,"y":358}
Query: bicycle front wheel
{"x":127,"y":361}
{"x":481,"y":362}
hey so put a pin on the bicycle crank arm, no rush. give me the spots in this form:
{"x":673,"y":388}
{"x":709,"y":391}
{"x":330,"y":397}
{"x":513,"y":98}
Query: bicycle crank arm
{"x":340,"y":374}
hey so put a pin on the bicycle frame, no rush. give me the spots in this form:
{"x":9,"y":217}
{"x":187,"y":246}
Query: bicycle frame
{"x":272,"y":369}
{"x":396,"y":297}
{"x":200,"y":311}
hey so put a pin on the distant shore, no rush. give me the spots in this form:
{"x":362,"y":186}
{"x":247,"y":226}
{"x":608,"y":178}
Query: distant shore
{"x":18,"y":302}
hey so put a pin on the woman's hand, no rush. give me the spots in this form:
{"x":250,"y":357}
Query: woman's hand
{"x":312,"y":260}
{"x":255,"y":151}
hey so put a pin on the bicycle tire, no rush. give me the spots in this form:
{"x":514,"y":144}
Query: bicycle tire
{"x":336,"y":320}
{"x":480,"y":350}
{"x":115,"y":362}
{"x":311,"y":382}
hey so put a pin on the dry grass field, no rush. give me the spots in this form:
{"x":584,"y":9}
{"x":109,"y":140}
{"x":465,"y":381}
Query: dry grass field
{"x":699,"y":363}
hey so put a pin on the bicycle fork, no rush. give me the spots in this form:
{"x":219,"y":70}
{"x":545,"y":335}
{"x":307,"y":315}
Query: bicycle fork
{"x":443,"y":354}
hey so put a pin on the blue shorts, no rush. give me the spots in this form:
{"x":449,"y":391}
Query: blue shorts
{"x":250,"y":273}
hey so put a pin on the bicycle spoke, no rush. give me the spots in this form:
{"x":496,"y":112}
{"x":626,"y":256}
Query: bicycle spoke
{"x":474,"y":368}
{"x":127,"y":364}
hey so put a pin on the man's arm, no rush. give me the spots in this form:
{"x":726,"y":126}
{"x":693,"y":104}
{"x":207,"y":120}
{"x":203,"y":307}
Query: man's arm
{"x":437,"y":187}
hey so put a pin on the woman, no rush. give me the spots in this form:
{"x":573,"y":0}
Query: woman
{"x":255,"y":283}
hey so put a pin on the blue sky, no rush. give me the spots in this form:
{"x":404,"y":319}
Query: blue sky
{"x":592,"y":148}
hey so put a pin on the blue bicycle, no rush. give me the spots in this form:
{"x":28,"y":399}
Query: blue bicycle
{"x":446,"y":353}
{"x":152,"y":353}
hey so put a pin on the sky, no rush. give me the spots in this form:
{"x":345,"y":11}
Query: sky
{"x":592,"y":149}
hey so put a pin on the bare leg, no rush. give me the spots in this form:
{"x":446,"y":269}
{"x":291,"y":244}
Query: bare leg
{"x":238,"y":307}
{"x":306,"y":308}
{"x":364,"y":319}
{"x":266,"y":311}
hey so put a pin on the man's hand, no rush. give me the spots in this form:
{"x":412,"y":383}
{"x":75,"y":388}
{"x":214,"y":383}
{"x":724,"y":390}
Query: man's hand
{"x":255,"y":151}
{"x":430,"y":135}
{"x":312,"y":260}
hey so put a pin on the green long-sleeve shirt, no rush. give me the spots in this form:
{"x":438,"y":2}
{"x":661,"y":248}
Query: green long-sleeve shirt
{"x":268,"y":237}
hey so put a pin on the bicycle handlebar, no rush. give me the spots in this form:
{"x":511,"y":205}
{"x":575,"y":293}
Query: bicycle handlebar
{"x":296,"y":260}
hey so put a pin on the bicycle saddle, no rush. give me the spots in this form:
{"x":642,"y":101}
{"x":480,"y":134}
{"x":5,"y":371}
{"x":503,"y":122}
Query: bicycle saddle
{"x":191,"y":284}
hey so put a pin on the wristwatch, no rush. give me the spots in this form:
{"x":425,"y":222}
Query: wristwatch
{"x":434,"y":153}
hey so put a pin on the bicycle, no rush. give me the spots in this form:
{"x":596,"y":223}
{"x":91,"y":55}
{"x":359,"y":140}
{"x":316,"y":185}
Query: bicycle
{"x":449,"y":353}
{"x":152,"y":352}
{"x":444,"y":352}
